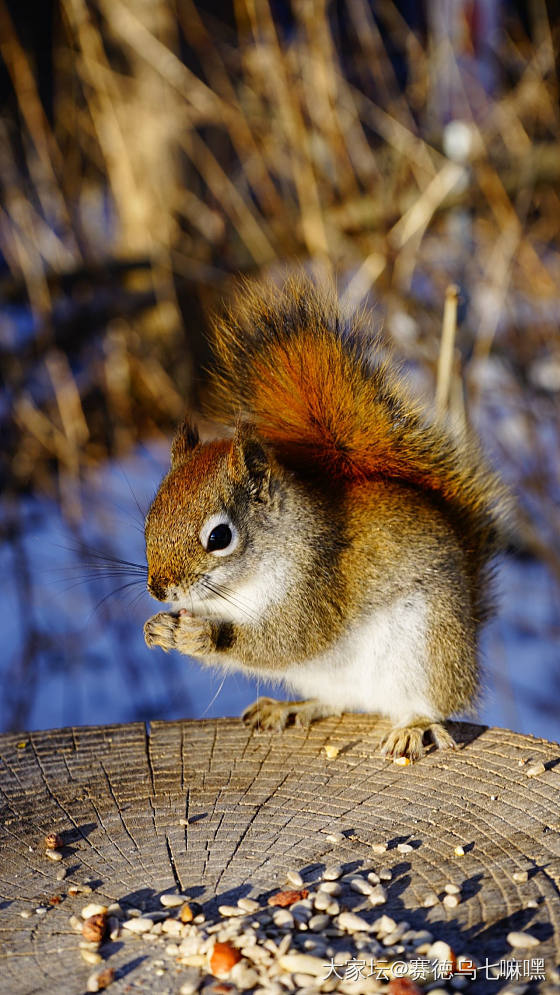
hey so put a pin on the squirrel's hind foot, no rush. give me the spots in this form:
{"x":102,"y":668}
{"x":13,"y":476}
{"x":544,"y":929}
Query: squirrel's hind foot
{"x":409,"y":741}
{"x":270,"y":714}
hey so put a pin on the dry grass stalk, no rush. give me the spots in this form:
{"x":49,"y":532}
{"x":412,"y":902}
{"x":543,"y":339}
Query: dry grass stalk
{"x":446,"y":352}
{"x":270,"y":143}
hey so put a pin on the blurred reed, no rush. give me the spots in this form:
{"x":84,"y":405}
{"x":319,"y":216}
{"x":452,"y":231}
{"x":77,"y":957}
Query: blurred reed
{"x":182,"y":150}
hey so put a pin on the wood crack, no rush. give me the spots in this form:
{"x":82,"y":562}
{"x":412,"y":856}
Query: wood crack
{"x":256,"y":806}
{"x":174,"y":870}
{"x":148,"y":758}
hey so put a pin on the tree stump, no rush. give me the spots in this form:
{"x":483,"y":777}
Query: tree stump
{"x":209,"y":809}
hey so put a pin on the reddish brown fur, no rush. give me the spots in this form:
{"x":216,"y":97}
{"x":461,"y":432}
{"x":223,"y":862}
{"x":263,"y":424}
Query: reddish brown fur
{"x":326,"y":399}
{"x":172,"y":546}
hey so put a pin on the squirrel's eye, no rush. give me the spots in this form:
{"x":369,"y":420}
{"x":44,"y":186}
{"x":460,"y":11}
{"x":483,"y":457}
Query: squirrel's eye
{"x":219,"y":535}
{"x":219,"y":538}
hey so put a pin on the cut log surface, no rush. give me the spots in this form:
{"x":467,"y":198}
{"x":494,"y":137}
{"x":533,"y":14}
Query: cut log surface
{"x":212,"y":810}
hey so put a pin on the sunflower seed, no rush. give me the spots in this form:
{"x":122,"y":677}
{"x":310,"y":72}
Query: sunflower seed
{"x":430,"y":899}
{"x":91,"y":956}
{"x":378,"y":895}
{"x":379,"y":847}
{"x":248,"y":905}
{"x":361,"y":886}
{"x":93,"y":910}
{"x":138,"y":924}
{"x":295,"y":879}
{"x":451,"y":901}
{"x":351,"y":923}
{"x":302,"y":964}
{"x":173,"y":901}
{"x":332,"y":873}
{"x":330,"y":887}
{"x":518,"y":939}
{"x":321,"y":901}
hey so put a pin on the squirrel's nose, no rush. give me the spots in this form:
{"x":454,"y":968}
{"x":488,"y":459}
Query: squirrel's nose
{"x":156,"y":589}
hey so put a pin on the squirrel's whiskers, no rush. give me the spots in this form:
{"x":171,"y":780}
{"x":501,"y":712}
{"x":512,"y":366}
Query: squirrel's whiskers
{"x":96,"y":565}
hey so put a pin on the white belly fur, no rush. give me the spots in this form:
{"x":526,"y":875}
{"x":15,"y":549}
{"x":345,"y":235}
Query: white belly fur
{"x":380,"y":666}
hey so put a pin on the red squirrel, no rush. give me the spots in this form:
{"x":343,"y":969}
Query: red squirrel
{"x":339,"y":544}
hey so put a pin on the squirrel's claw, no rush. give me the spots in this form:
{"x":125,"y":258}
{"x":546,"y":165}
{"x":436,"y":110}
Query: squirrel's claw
{"x":409,"y":741}
{"x":270,"y":714}
{"x":406,"y":742}
{"x":179,"y":631}
{"x":158,"y":630}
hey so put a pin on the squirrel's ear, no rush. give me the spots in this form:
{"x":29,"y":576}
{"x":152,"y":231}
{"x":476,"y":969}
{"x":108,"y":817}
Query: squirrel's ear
{"x":248,"y":461}
{"x":185,"y":441}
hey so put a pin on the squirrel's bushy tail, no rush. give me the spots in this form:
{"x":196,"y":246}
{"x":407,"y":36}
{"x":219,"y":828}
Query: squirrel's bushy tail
{"x":320,"y":392}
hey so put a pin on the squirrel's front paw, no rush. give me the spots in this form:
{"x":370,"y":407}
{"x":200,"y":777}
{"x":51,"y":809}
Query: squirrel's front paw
{"x":179,"y":631}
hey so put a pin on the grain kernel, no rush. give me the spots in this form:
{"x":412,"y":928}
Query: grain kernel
{"x":403,"y":986}
{"x":352,"y":923}
{"x":230,"y":911}
{"x":384,"y":925}
{"x":223,"y":958}
{"x":93,"y":909}
{"x":185,"y":913}
{"x":295,"y":879}
{"x":53,"y":841}
{"x":285,"y":898}
{"x":332,"y":873}
{"x":335,"y":838}
{"x":302,"y":964}
{"x":100,"y":980}
{"x":172,"y":901}
{"x":91,"y":956}
{"x":451,"y":901}
{"x":53,"y":854}
{"x":331,"y":751}
{"x":519,"y":939}
{"x":430,"y":899}
{"x":95,"y":927}
{"x":330,"y":888}
{"x":378,"y":895}
{"x":138,"y":925}
{"x":361,"y":886}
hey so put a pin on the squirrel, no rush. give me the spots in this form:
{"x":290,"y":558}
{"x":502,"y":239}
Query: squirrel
{"x":339,"y":543}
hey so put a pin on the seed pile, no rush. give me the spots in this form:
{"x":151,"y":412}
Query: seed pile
{"x":311,"y":937}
